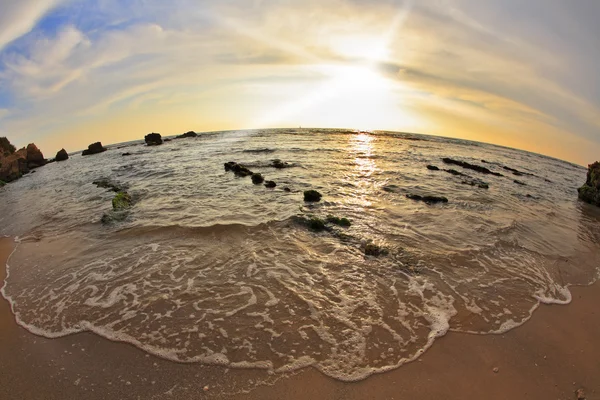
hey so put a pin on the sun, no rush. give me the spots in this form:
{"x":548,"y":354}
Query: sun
{"x":362,"y":47}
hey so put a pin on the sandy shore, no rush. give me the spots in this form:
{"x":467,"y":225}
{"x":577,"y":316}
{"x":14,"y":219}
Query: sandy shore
{"x":550,"y":357}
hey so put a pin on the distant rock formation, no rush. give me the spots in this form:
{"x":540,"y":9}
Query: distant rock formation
{"x":14,"y":164}
{"x":187,"y":135}
{"x":153,"y":139}
{"x":62,"y":155}
{"x":473,"y":167}
{"x":590,"y":191}
{"x":94,"y":148}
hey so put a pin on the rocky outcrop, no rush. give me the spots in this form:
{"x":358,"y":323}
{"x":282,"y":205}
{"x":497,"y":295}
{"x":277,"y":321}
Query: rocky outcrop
{"x":62,"y":155}
{"x":14,"y":164}
{"x":590,"y":191}
{"x":257,"y":178}
{"x":270,"y":184}
{"x":94,"y":148}
{"x":187,"y":135}
{"x":237,"y":169}
{"x":153,"y":139}
{"x":277,"y":163}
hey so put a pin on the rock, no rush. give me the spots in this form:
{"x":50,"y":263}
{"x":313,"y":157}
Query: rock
{"x":433,"y":168}
{"x":590,"y":191}
{"x":313,"y":223}
{"x":62,"y":155}
{"x":514,"y":171}
{"x":345,"y":222}
{"x":287,"y":189}
{"x":496,"y":370}
{"x":428,"y":199}
{"x":35,"y":158}
{"x":312,"y":196}
{"x":580,"y":393}
{"x":371,"y":249}
{"x":187,"y":135}
{"x":94,"y":148}
{"x":2,"y":183}
{"x":109,"y":184}
{"x":271,"y":185}
{"x":114,"y":216}
{"x":167,"y":140}
{"x":121,"y":201}
{"x":6,"y":148}
{"x":476,"y":182}
{"x":473,"y":167}
{"x":257,"y":178}
{"x":237,"y":169}
{"x":125,"y":154}
{"x":454,"y":172}
{"x":519,"y":182}
{"x":258,"y":151}
{"x":153,"y":139}
{"x":280,"y":164}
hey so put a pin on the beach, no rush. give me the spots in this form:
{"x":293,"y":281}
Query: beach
{"x":551,"y":356}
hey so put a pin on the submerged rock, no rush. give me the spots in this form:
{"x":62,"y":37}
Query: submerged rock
{"x":312,"y":196}
{"x":280,"y":164}
{"x":345,"y":222}
{"x":125,"y":154}
{"x":374,"y":250}
{"x":473,"y":167}
{"x":121,"y":201}
{"x":455,"y":172}
{"x":109,"y":184}
{"x":428,"y":199}
{"x":313,"y":223}
{"x":272,"y":184}
{"x":94,"y":148}
{"x":514,"y":171}
{"x":257,"y":178}
{"x":590,"y":191}
{"x":287,"y":189}
{"x":62,"y":155}
{"x":153,"y":139}
{"x":433,"y":168}
{"x":519,"y":182}
{"x":187,"y":135}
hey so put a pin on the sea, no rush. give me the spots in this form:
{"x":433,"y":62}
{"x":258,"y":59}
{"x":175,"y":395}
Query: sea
{"x":207,"y":267}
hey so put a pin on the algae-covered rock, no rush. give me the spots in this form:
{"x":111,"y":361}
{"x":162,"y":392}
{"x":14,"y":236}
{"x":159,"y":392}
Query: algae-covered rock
{"x":428,"y":199}
{"x":590,"y":191}
{"x":374,"y":250}
{"x":121,"y":201}
{"x":312,"y":196}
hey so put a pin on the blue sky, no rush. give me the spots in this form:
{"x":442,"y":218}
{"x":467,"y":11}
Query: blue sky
{"x":516,"y":73}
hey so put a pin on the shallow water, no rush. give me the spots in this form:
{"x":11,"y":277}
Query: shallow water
{"x":210,"y":268}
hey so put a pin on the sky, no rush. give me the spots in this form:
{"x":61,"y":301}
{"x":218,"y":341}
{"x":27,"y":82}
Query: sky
{"x":517,"y":73}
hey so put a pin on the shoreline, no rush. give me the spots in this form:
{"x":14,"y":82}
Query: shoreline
{"x":551,"y":355}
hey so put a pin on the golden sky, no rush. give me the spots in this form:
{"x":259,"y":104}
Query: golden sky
{"x":519,"y":74}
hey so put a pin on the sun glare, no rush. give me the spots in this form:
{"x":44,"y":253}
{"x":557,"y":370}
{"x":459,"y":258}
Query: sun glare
{"x":370,"y":48}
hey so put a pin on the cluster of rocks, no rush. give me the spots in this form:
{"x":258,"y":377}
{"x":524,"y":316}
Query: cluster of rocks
{"x":473,"y":167}
{"x":241,"y":171}
{"x":466,"y":179}
{"x":121,"y":202}
{"x":16,"y":163}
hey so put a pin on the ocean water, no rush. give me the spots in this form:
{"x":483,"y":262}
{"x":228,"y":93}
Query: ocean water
{"x":210,"y":268}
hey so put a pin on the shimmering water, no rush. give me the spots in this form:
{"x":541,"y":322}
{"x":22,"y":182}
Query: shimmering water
{"x":210,"y":268}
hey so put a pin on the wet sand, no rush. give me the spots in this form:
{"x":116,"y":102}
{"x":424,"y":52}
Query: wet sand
{"x":550,"y":357}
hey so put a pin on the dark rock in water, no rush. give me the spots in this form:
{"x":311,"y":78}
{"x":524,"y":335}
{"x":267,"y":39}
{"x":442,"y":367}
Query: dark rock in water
{"x":476,"y":182}
{"x":257,"y":178}
{"x":121,"y":201}
{"x":390,"y":188}
{"x":371,"y":249}
{"x":433,"y":168}
{"x":454,"y":172}
{"x":272,"y":184}
{"x":187,"y":135}
{"x":167,"y":140}
{"x":237,"y":169}
{"x":114,"y":216}
{"x":312,"y":196}
{"x":94,"y":148}
{"x":125,"y":154}
{"x":313,"y":223}
{"x":62,"y":155}
{"x":258,"y":151}
{"x":428,"y":199}
{"x":345,"y":222}
{"x":590,"y":191}
{"x":519,"y":182}
{"x":473,"y":167}
{"x":109,"y":184}
{"x":280,"y":164}
{"x":287,"y":189}
{"x":153,"y":139}
{"x":514,"y":171}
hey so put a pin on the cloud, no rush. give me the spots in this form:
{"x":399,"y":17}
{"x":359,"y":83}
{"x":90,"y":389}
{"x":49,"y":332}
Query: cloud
{"x":19,"y":17}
